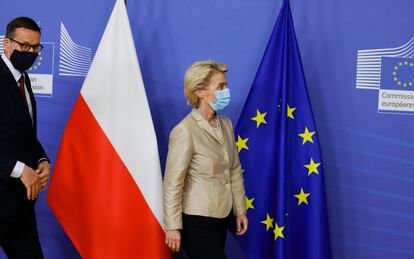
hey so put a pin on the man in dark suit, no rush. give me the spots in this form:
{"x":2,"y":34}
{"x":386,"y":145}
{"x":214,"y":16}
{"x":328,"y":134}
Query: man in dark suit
{"x":24,"y":166}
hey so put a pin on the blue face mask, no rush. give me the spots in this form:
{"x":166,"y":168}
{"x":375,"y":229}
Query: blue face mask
{"x":222,"y":99}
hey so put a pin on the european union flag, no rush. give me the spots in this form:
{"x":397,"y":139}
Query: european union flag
{"x":281,"y":158}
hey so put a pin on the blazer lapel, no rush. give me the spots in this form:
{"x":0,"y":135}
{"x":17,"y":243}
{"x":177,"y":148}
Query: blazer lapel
{"x":223,"y":130}
{"x":204,"y":125}
{"x":32,"y":100}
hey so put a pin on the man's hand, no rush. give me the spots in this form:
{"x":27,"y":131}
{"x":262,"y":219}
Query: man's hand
{"x":241,"y":223}
{"x":30,"y":179}
{"x":43,"y":171}
{"x":173,"y":239}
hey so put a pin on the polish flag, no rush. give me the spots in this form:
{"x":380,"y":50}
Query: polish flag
{"x":106,"y":188}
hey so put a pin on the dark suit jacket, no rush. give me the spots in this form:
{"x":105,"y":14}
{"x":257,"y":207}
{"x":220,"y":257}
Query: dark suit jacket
{"x":18,"y":142}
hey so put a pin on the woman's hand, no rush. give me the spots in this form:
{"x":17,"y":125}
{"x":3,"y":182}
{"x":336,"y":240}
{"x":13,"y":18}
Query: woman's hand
{"x":241,"y":224}
{"x":173,"y":239}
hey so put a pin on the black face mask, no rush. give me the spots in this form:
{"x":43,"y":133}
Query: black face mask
{"x":23,"y":60}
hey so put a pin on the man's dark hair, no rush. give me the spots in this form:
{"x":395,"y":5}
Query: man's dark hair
{"x":21,"y":22}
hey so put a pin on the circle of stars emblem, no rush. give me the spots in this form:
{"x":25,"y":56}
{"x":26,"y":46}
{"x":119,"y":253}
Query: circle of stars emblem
{"x":38,"y":63}
{"x":401,"y":65}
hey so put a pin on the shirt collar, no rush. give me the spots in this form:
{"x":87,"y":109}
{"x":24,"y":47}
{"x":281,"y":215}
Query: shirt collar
{"x":16,"y":73}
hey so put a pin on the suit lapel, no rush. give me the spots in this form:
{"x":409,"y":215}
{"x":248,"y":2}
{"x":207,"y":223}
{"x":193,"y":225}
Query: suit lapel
{"x":204,"y":125}
{"x":32,"y":98}
{"x":223,"y":129}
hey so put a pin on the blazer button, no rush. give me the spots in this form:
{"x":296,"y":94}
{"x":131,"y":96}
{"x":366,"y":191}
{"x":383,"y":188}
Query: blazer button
{"x":227,"y":186}
{"x":226,"y":171}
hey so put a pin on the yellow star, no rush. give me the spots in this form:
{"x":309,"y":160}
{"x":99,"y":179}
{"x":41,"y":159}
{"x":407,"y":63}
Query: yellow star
{"x":410,"y":83}
{"x":268,"y":222}
{"x":396,"y":68}
{"x":399,"y":83}
{"x":278,"y":231}
{"x":400,"y":64}
{"x":241,"y":143}
{"x":405,"y":84}
{"x":307,"y":136}
{"x":249,"y":203}
{"x":260,"y":118}
{"x":405,"y":62}
{"x":290,"y":111}
{"x":312,"y":167}
{"x":394,"y":73}
{"x":302,"y":197}
{"x":411,"y":64}
{"x":395,"y":79}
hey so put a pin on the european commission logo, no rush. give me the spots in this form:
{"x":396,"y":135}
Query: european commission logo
{"x":74,"y":60}
{"x":391,"y":72}
{"x":41,"y":73}
{"x":1,"y":43}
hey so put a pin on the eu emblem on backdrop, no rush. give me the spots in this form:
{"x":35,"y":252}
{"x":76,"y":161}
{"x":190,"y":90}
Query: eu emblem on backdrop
{"x":41,"y":73}
{"x":391,"y":71}
{"x":397,"y":73}
{"x":396,"y":93}
{"x":281,"y":159}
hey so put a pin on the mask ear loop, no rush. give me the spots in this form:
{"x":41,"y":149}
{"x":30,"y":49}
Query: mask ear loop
{"x":201,"y":98}
{"x":207,"y":101}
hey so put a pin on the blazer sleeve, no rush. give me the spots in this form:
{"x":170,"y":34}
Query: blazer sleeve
{"x":7,"y":164}
{"x":180,"y":152}
{"x":237,"y":181}
{"x":40,"y":152}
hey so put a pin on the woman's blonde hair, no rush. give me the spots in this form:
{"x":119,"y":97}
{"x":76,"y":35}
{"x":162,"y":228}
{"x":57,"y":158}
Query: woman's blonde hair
{"x":198,"y":76}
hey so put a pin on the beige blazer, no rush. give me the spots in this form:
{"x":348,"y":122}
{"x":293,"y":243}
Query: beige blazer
{"x":203,"y":173}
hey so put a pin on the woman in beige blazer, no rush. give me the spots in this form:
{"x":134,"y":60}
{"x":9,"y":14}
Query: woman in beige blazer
{"x":203,"y":183}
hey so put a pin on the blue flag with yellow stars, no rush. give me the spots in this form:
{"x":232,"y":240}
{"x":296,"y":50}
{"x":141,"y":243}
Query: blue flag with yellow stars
{"x":280,"y":156}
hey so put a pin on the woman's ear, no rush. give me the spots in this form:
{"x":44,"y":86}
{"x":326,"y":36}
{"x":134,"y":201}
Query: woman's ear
{"x":199,"y":93}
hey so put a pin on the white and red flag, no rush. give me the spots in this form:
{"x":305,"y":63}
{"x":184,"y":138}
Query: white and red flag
{"x":106,"y":188}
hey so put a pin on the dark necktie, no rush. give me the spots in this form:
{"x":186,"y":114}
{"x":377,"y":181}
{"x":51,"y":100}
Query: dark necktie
{"x":22,"y":90}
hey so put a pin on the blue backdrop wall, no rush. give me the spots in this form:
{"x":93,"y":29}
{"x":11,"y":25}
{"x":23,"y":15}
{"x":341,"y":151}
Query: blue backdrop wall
{"x":366,"y":131}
